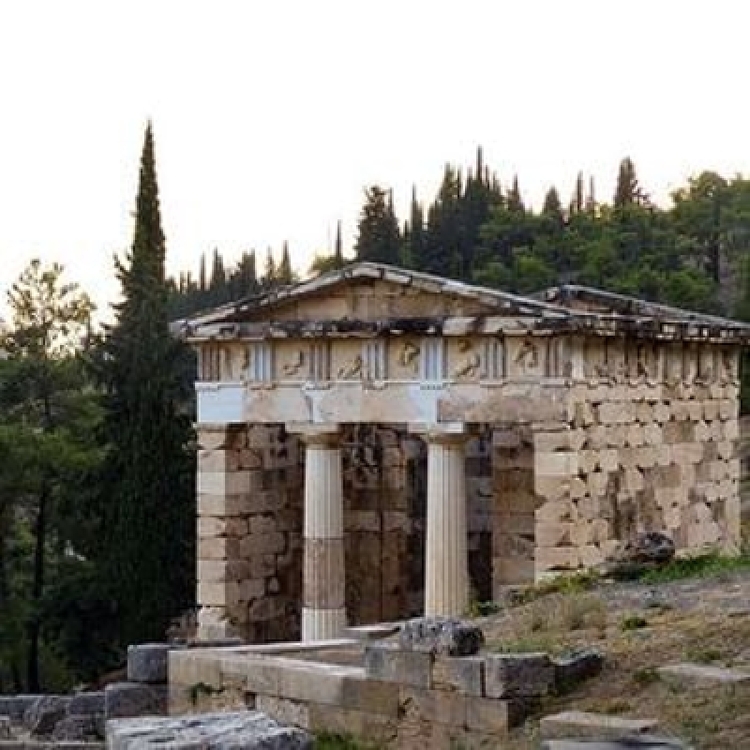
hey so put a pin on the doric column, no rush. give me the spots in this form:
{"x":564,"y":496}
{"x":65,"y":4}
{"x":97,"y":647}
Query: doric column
{"x":323,"y":611}
{"x":446,"y":564}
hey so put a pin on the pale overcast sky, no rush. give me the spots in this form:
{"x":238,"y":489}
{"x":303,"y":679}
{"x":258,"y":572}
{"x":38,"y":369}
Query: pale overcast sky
{"x":270,"y":116}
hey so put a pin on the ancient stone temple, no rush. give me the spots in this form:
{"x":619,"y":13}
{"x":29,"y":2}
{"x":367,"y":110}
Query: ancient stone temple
{"x":377,"y":443}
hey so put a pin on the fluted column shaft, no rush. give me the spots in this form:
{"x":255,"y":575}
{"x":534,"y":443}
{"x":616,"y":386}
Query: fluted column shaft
{"x":446,"y":564}
{"x":323,"y":611}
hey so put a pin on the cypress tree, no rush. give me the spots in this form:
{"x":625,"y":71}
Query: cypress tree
{"x":379,"y":238}
{"x":285,"y":274}
{"x":148,"y":479}
{"x":338,"y":253}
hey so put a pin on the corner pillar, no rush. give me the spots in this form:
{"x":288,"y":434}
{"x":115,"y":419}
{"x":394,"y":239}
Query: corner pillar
{"x":323,"y":610}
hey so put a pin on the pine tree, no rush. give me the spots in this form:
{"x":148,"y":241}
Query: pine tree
{"x":148,"y":479}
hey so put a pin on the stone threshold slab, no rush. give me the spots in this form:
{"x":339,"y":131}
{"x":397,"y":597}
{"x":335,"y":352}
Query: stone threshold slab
{"x":584,"y":724}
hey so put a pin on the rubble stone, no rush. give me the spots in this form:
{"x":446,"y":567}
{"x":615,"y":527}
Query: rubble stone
{"x":441,"y":635}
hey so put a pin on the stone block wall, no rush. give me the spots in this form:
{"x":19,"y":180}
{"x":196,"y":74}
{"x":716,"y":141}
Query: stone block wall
{"x":514,"y":506}
{"x":250,"y":511}
{"x":647,"y":454}
{"x":249,"y":532}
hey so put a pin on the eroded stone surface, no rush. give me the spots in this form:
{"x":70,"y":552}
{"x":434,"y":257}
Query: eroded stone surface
{"x":441,"y":635}
{"x":583,"y":724}
{"x":247,"y":730}
{"x":702,"y":675}
{"x":42,"y":716}
{"x":147,"y":662}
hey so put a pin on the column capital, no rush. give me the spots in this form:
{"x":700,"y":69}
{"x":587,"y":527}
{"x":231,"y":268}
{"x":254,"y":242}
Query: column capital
{"x":445,"y":432}
{"x":316,"y":434}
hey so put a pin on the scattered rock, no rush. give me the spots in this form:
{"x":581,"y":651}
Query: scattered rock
{"x":42,"y":716}
{"x":441,"y":635}
{"x":147,"y":662}
{"x":646,"y":551}
{"x":248,"y":730}
{"x":518,"y":675}
{"x":583,"y":725}
{"x":702,"y":675}
{"x":576,"y":667}
{"x":125,"y":699}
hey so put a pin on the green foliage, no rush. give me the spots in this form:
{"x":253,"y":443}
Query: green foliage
{"x":633,"y":622}
{"x":46,"y":452}
{"x":379,"y":238}
{"x":147,"y":483}
{"x":697,"y":566}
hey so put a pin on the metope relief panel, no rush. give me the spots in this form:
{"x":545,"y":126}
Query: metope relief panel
{"x":465,"y":359}
{"x":346,"y":359}
{"x":404,"y":358}
{"x":259,"y":367}
{"x":526,"y":358}
{"x":291,"y":360}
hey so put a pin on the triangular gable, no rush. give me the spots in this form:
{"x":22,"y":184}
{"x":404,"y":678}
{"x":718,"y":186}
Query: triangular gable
{"x":370,"y":292}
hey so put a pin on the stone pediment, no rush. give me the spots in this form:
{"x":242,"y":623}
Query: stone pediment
{"x":370,"y":293}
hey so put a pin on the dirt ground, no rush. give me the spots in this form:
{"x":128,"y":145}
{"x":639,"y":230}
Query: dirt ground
{"x":638,"y":628}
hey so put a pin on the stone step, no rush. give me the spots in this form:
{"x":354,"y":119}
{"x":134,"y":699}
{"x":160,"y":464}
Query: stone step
{"x":635,"y":742}
{"x":582,"y":724}
{"x":688,"y":674}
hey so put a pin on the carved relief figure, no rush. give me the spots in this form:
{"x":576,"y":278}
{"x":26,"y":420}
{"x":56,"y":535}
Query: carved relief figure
{"x":293,"y":367}
{"x":408,"y":357}
{"x":351,"y":370}
{"x":528,"y":355}
{"x":470,"y":365}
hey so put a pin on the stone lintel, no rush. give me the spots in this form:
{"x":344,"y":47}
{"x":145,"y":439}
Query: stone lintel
{"x":315,"y":433}
{"x":441,"y":432}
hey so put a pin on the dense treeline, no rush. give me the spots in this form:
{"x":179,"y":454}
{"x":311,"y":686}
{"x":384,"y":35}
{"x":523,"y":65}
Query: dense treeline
{"x":691,"y":254}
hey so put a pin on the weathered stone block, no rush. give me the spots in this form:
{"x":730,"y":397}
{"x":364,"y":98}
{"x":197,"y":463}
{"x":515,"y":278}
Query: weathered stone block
{"x":582,"y":724}
{"x":387,"y":662}
{"x":44,"y":713}
{"x":434,"y":706}
{"x":250,"y":730}
{"x":125,"y":699}
{"x":488,"y":716}
{"x":702,"y":675}
{"x":441,"y":635}
{"x":464,"y":674}
{"x":147,"y":662}
{"x":15,"y":706}
{"x":577,"y":667}
{"x":78,"y":729}
{"x":85,"y":704}
{"x":518,"y":675}
{"x":371,"y":696}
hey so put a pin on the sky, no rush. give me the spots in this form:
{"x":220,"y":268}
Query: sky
{"x":271,"y":116}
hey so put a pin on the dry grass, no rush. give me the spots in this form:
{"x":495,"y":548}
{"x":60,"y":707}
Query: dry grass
{"x":714,"y":719}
